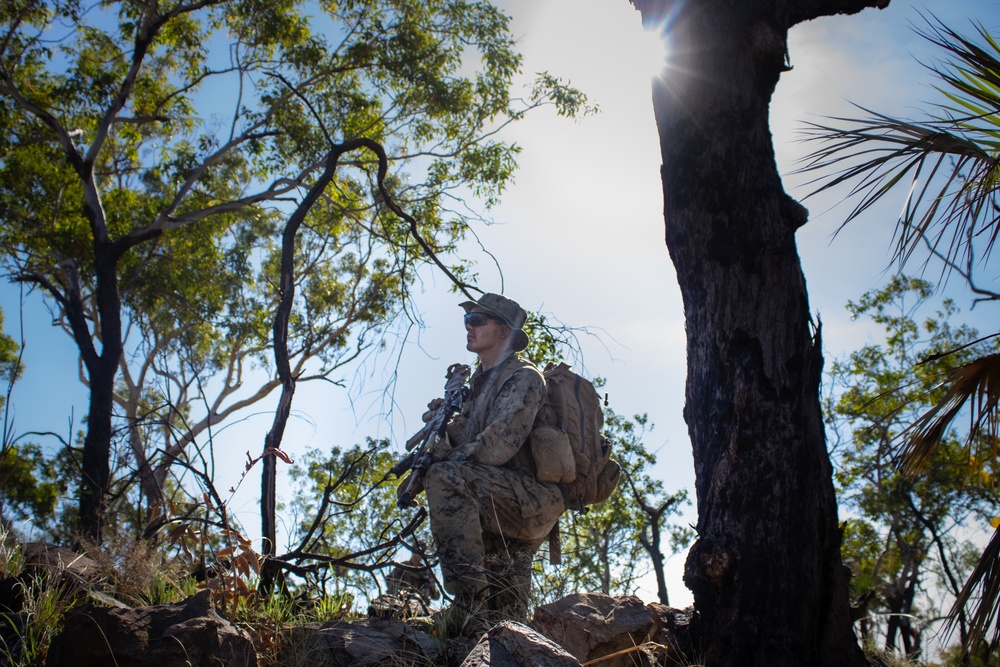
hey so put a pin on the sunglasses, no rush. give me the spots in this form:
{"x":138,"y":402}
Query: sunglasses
{"x":479,"y":319}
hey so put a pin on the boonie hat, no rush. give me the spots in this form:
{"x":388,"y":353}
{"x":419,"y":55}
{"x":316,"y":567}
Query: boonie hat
{"x":507,"y":310}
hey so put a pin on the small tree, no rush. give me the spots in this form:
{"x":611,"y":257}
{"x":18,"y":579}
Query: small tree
{"x":337,"y":493}
{"x":903,"y":537}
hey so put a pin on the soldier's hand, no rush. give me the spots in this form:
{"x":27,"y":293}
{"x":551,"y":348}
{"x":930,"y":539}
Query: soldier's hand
{"x":418,"y":486}
{"x":432,"y":409}
{"x":462,"y":454}
{"x":439,"y":447}
{"x":456,"y":427}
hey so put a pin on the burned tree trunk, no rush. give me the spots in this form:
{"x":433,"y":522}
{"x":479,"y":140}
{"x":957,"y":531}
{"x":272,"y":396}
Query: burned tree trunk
{"x":768,"y":583}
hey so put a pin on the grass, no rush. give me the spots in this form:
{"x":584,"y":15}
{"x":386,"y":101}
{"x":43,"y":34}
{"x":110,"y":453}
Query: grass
{"x":139,"y":574}
{"x":29,"y":632}
{"x":132,"y":573}
{"x":25,"y":633}
{"x":11,"y":555}
{"x":136,"y":573}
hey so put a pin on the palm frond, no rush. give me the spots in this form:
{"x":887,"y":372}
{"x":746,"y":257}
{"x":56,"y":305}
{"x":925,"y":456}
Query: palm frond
{"x":982,"y":589}
{"x":945,"y":169}
{"x":949,"y":162}
{"x":976,"y":385}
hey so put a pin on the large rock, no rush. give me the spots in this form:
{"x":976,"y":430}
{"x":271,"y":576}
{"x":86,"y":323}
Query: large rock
{"x":47,"y":567}
{"x":75,"y":574}
{"x":186,"y":634}
{"x":364,"y":643}
{"x":672,"y":629}
{"x":511,"y":644}
{"x":54,"y":558}
{"x":399,"y":607}
{"x":592,"y":626}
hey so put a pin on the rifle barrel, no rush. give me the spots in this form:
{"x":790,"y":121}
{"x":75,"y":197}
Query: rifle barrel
{"x":403,"y":465}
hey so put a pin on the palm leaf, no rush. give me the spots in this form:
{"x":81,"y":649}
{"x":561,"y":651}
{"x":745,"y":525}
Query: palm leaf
{"x":975,"y":385}
{"x":982,"y":587}
{"x":949,"y":162}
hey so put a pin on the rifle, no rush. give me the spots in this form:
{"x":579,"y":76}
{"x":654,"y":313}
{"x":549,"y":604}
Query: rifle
{"x":419,"y":459}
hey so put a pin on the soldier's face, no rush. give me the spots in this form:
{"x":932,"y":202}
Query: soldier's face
{"x":489,"y":337}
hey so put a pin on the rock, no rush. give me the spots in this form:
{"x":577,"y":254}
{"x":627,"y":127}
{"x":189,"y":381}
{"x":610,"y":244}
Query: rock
{"x":399,"y":607}
{"x":13,"y":630}
{"x":187,"y":634}
{"x":12,"y":595}
{"x":75,"y":574}
{"x":358,"y":644}
{"x":591,"y":626}
{"x":672,"y":629}
{"x":510,"y":644}
{"x":48,"y":569}
{"x":53,"y":558}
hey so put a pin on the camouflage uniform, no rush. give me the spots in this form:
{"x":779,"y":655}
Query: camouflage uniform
{"x":489,"y":511}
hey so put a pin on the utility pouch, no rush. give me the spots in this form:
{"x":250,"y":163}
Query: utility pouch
{"x":553,"y":455}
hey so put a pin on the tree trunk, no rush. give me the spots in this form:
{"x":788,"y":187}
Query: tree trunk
{"x":282,"y":317}
{"x":604,"y":557}
{"x":96,"y":466}
{"x":656,"y":555}
{"x":651,"y":543}
{"x":101,"y":371}
{"x":768,"y":583}
{"x":151,"y":480}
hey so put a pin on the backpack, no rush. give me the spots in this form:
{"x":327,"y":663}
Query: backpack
{"x":567,"y":442}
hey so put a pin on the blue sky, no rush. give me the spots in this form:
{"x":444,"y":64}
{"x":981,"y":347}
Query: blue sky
{"x":580,"y":238}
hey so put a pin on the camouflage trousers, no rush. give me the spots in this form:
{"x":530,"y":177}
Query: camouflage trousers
{"x":487,"y":524}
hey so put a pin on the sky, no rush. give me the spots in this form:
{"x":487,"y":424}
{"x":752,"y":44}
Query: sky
{"x":579,"y":237}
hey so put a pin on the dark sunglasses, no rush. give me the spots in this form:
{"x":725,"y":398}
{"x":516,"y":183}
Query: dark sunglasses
{"x":479,"y":319}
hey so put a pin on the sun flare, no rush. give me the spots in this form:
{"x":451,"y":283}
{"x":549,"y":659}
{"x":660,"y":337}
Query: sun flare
{"x":652,"y":50}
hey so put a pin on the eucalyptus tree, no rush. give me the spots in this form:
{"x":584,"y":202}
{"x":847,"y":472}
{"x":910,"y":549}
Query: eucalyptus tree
{"x":150,"y":151}
{"x":765,"y":571}
{"x":943,"y":167}
{"x":906,"y":537}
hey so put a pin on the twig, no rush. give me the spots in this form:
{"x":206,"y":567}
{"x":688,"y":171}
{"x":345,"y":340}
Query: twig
{"x":633,"y":649}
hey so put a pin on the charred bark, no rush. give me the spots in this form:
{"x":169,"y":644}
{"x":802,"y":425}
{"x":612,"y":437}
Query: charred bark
{"x":768,"y":583}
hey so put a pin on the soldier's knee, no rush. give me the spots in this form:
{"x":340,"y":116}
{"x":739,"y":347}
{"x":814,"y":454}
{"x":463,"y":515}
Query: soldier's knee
{"x":440,"y":469}
{"x":442,"y":474}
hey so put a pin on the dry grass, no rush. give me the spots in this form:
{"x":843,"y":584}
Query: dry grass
{"x":136,"y":573}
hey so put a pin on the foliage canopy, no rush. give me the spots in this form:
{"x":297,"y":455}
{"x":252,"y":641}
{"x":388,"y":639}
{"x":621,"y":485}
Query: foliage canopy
{"x":151,"y":151}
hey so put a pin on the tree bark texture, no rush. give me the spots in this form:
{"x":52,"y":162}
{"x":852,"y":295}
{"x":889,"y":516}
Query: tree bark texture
{"x":768,"y":582}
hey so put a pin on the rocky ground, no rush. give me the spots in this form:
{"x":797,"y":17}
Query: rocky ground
{"x":580,"y":629}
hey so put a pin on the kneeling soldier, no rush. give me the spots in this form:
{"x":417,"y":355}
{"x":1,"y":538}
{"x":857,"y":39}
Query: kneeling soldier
{"x":489,"y":513}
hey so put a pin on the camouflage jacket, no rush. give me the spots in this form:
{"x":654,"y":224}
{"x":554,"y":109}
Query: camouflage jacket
{"x":499,"y":414}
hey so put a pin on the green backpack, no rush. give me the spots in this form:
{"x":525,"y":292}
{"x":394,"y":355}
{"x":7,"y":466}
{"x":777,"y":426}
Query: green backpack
{"x":567,"y":443}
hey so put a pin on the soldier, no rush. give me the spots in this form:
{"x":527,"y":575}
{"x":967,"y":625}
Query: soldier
{"x":489,"y":514}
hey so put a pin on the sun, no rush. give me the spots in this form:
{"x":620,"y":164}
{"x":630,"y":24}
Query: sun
{"x":651,"y":47}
